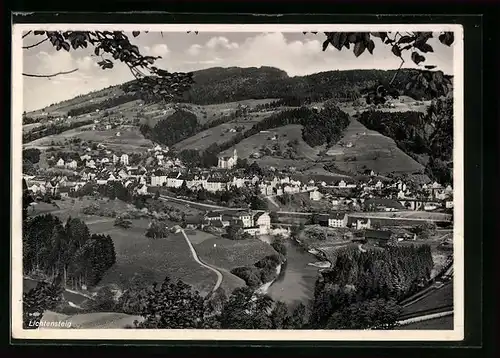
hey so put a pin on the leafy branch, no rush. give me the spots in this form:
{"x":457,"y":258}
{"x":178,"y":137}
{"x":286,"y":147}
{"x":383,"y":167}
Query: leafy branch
{"x":160,"y":84}
{"x":434,"y":82}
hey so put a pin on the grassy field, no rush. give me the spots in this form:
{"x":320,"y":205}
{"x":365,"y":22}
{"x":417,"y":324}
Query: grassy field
{"x":229,"y":254}
{"x":205,"y":113}
{"x":93,"y":320}
{"x":284,"y":134}
{"x":97,"y":96}
{"x":403,"y":104}
{"x":130,"y":138}
{"x":149,"y":260}
{"x":438,"y":298}
{"x":370,"y":150}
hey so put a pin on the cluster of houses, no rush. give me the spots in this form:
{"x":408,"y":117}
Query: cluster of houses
{"x":251,"y":222}
{"x":425,"y":197}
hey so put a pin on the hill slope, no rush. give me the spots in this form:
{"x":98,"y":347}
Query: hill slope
{"x":220,"y":85}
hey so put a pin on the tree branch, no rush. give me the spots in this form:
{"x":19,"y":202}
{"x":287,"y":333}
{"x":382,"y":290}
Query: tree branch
{"x":400,"y":65}
{"x":52,"y":75}
{"x":34,"y":45}
{"x":26,"y":34}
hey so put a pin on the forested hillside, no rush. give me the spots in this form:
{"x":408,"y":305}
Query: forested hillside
{"x":219,"y":85}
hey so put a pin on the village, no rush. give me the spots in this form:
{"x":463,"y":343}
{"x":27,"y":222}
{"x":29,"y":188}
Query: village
{"x":344,"y":201}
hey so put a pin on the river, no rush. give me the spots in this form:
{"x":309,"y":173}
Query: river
{"x":295,"y":283}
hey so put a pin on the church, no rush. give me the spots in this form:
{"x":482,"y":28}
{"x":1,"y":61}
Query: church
{"x":226,"y":162}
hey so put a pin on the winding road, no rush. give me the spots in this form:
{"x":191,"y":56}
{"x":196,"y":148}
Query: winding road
{"x":425,"y":317}
{"x":197,"y":259}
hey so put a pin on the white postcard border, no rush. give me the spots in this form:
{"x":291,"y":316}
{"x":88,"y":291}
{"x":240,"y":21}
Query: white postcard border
{"x":17,"y":330}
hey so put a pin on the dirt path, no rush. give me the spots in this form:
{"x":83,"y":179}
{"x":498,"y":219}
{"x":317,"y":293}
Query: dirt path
{"x":197,"y":259}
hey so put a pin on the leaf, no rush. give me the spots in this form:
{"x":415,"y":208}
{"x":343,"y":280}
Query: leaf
{"x":370,"y":46}
{"x":96,"y":50}
{"x":430,"y":67}
{"x":396,"y":51}
{"x":135,"y":33}
{"x":447,"y":38}
{"x":343,"y":39}
{"x":359,"y":48}
{"x":424,"y":47}
{"x":336,"y":41}
{"x":325,"y":44}
{"x":65,"y":46}
{"x":381,"y":35}
{"x":405,"y":39}
{"x":352,"y":38}
{"x":39,"y":32}
{"x":417,"y":58}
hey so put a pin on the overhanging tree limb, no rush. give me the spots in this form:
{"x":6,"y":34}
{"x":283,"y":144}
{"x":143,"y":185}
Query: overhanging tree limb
{"x":36,"y":44}
{"x":52,"y":75}
{"x":26,"y":34}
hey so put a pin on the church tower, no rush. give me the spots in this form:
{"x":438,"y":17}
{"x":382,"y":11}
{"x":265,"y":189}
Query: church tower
{"x":235,"y":155}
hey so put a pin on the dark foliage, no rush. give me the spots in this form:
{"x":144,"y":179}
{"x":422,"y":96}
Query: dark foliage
{"x":390,"y":274}
{"x":70,"y":251}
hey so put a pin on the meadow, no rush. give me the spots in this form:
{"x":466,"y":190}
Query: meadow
{"x":138,"y":257}
{"x":369,"y":150}
{"x":228,"y":254}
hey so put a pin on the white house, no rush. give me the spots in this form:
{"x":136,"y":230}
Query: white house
{"x":142,"y":189}
{"x":60,"y":162}
{"x":174,"y":180}
{"x":72,"y":165}
{"x":228,"y":162}
{"x":90,"y":163}
{"x":379,"y":185}
{"x":337,"y":220}
{"x":214,"y":185}
{"x":342,"y":184}
{"x":116,"y":159}
{"x":158,"y":180}
{"x":213,"y":216}
{"x":245,"y":217}
{"x":363,"y":224}
{"x":449,"y":204}
{"x":238,"y":182}
{"x":124,"y":159}
{"x":263,"y":221}
{"x":315,"y":195}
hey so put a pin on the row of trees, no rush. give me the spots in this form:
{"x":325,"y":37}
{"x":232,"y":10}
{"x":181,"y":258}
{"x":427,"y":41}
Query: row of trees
{"x":51,"y":249}
{"x":236,"y":84}
{"x":261,"y":272}
{"x":235,"y":197}
{"x":176,"y":127}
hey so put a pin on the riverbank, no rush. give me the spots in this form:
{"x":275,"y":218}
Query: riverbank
{"x":265,"y":287}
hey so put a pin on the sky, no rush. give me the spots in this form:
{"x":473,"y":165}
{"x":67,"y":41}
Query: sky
{"x":295,"y":53}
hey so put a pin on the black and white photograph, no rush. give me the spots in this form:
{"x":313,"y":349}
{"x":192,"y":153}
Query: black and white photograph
{"x":222,"y":182}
